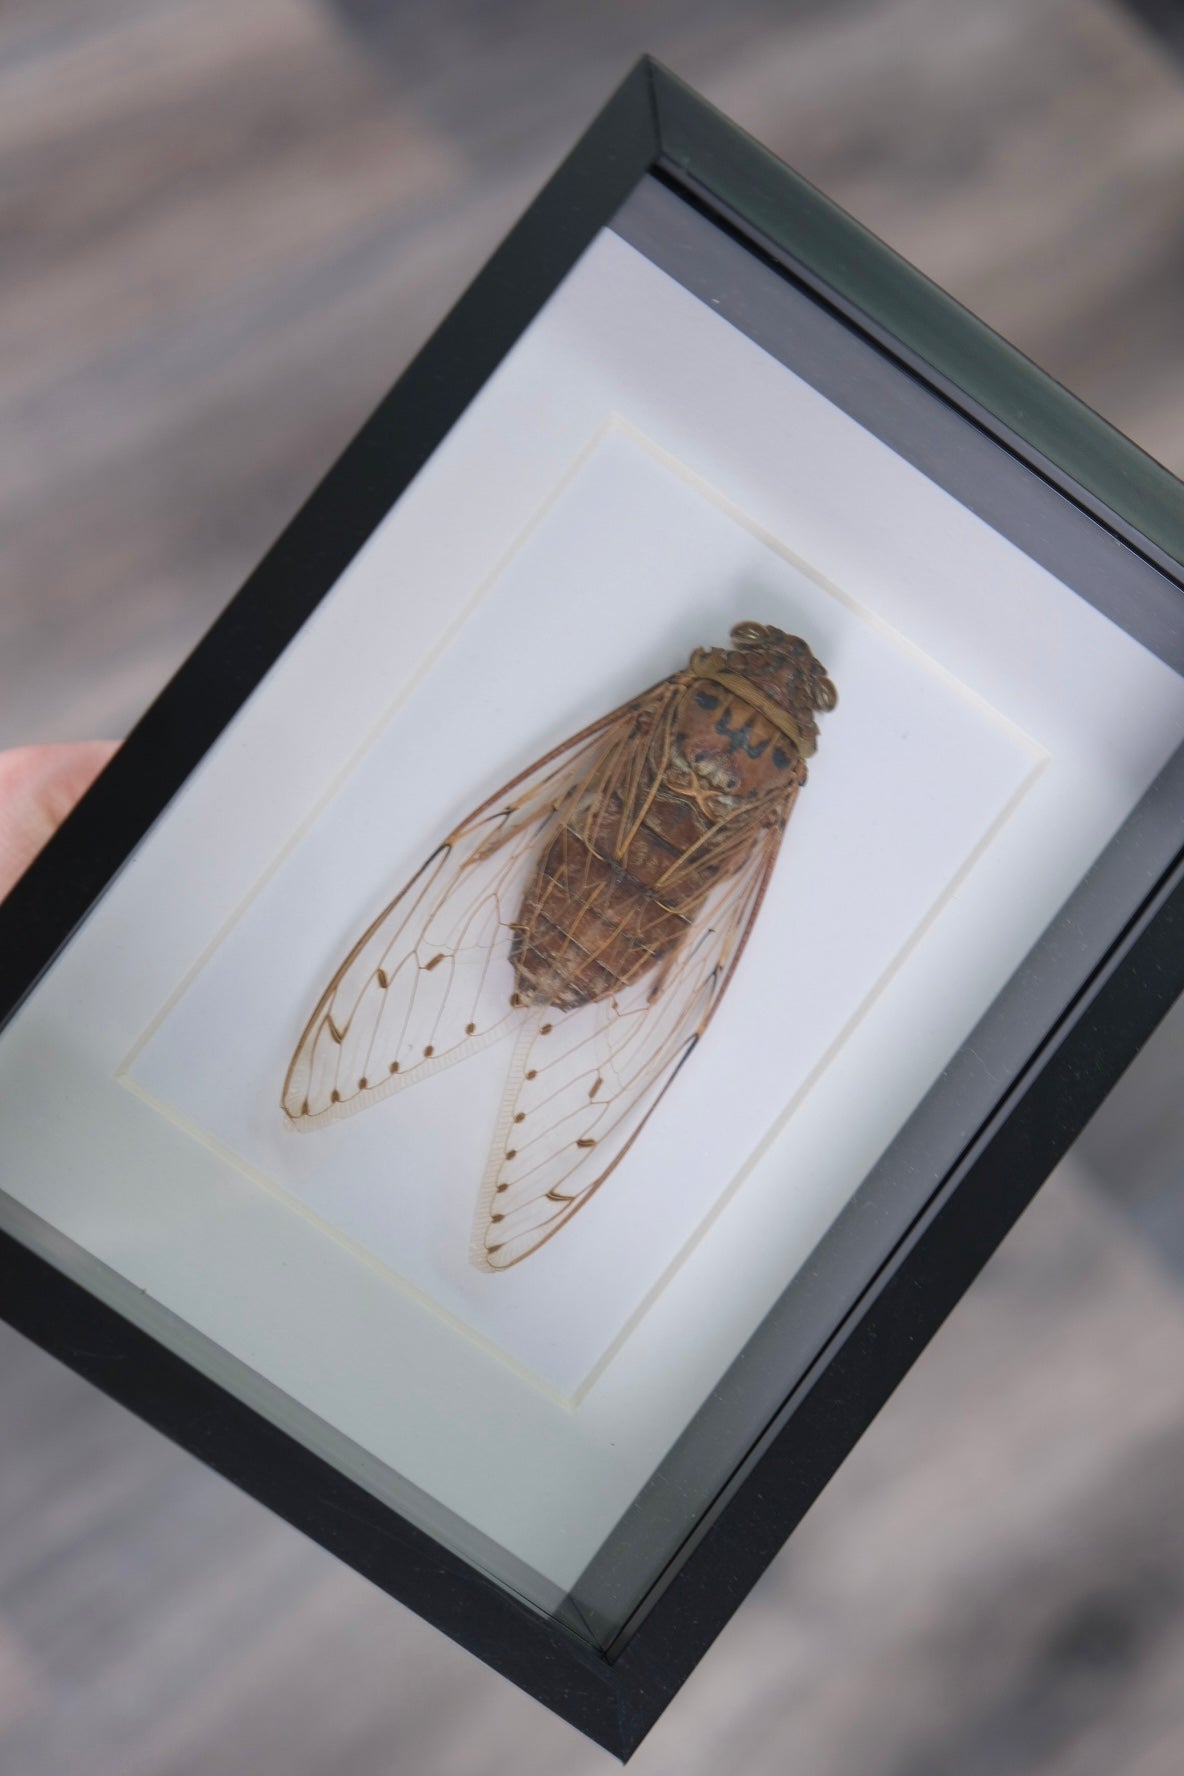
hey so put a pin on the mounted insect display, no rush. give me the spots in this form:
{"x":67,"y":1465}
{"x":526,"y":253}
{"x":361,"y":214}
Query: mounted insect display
{"x":695,"y":1092}
{"x":595,"y":908}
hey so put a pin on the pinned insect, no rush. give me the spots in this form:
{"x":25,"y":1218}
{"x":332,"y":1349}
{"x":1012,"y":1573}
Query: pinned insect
{"x":598,"y":905}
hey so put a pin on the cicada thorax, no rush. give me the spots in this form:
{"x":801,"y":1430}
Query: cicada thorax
{"x":715,"y":757}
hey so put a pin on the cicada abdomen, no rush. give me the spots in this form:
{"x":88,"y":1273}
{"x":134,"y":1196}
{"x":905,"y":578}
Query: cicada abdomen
{"x":598,"y":905}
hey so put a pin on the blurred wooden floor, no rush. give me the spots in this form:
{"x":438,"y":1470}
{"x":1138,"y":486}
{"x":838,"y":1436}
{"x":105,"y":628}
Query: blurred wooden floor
{"x":224,"y":226}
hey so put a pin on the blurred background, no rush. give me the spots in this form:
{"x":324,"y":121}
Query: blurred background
{"x":225,"y":225}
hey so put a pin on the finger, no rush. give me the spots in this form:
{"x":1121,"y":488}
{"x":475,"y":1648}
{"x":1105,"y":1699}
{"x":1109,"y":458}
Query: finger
{"x":38,"y":787}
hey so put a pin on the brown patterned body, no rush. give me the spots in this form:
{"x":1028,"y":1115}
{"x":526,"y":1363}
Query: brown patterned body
{"x":715,"y":759}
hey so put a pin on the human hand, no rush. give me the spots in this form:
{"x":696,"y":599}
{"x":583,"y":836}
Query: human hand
{"x":38,"y":787}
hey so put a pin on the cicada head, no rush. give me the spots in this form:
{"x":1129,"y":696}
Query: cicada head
{"x":786,"y":671}
{"x":748,"y":720}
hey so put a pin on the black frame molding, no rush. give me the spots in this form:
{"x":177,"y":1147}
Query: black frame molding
{"x":652,"y":125}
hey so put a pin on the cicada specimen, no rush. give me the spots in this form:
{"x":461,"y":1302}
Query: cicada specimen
{"x":597,"y":906}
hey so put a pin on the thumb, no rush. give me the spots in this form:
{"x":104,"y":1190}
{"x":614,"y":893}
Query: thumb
{"x":38,"y":787}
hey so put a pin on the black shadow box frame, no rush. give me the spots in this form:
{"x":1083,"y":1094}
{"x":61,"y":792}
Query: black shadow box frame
{"x":814,"y":1397}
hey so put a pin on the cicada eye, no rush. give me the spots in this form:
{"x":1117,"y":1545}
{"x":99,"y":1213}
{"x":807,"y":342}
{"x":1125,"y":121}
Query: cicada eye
{"x":751,"y":635}
{"x":825,"y":695}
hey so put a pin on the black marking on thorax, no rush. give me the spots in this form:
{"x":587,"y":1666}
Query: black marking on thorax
{"x":736,"y":736}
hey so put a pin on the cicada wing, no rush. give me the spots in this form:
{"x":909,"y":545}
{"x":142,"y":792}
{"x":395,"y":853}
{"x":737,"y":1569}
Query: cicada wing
{"x":583,"y":1083}
{"x":431,"y":981}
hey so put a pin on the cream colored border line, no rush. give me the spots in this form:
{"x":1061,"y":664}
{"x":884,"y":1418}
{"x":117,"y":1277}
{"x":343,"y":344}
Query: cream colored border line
{"x":1040,"y":758}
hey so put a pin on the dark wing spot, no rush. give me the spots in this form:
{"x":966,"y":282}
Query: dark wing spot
{"x":363,"y":1083}
{"x":433,"y":963}
{"x":383,"y":978}
{"x":545,"y":1029}
{"x":428,"y":1051}
{"x":533,"y":1074}
{"x":335,"y":1096}
{"x":585,"y":1141}
{"x":470,"y":1029}
{"x":521,"y":1116}
{"x":394,"y":1066}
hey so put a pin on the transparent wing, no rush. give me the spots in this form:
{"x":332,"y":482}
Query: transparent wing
{"x":431,"y":981}
{"x":583,"y":1083}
